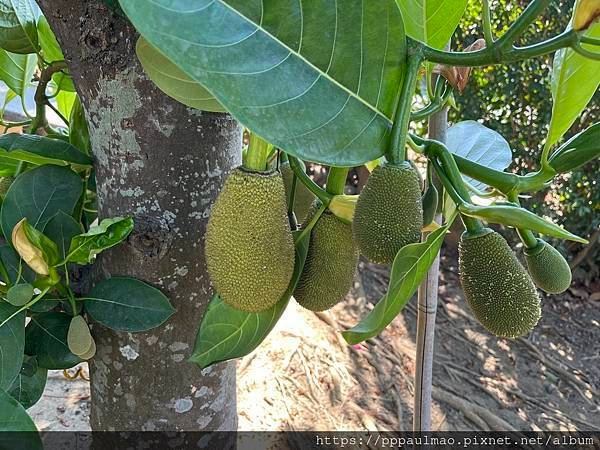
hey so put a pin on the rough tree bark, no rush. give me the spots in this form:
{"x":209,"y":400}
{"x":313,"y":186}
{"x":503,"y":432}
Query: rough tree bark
{"x":162,"y":163}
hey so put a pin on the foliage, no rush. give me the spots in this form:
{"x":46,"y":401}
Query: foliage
{"x":47,"y":220}
{"x":513,"y":99}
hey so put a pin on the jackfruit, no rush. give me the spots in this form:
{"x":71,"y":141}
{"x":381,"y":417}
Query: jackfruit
{"x":549,"y":270}
{"x":497,"y":287}
{"x":389,"y":212}
{"x":330,"y":264}
{"x":5,"y":183}
{"x":303,"y":197}
{"x":249,"y":246}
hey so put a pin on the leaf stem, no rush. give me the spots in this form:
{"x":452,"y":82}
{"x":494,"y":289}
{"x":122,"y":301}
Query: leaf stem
{"x":311,"y":224}
{"x":487,"y":24}
{"x":532,"y":10}
{"x":28,"y":305}
{"x":336,"y":180}
{"x":397,"y":150}
{"x":313,"y":187}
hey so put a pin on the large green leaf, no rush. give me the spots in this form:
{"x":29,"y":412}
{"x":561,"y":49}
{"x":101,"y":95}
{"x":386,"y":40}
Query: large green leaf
{"x":40,"y":150}
{"x":38,"y":195}
{"x":127,"y":304}
{"x":226,"y":333}
{"x":575,"y":79}
{"x":173,"y":81}
{"x":13,"y":417}
{"x":29,"y":385}
{"x":318,"y":79}
{"x":62,"y":228}
{"x":84,"y":247}
{"x":18,"y":30}
{"x":52,"y":52}
{"x":432,"y":21}
{"x":46,"y":339}
{"x":580,"y":149}
{"x":410,"y":267}
{"x":16,"y":70}
{"x":12,"y":344}
{"x":479,"y":144}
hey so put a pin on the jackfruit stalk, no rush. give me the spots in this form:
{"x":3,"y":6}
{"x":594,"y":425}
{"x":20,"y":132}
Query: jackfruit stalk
{"x":548,"y":268}
{"x":303,"y":197}
{"x":330,"y":264}
{"x":389,"y":212}
{"x":249,"y":246}
{"x":497,"y":287}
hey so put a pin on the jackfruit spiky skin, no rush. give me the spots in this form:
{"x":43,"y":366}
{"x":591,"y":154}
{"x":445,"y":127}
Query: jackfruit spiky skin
{"x":497,"y":287}
{"x":389,"y":212}
{"x":303,"y":198}
{"x":5,"y":183}
{"x":548,"y":268}
{"x":249,"y":246}
{"x":330,"y":264}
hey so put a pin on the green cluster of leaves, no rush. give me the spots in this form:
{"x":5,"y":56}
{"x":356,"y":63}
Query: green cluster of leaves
{"x":49,"y":222}
{"x":513,"y":99}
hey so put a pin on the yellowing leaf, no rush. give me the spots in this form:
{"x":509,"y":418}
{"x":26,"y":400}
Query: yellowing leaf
{"x":32,"y":255}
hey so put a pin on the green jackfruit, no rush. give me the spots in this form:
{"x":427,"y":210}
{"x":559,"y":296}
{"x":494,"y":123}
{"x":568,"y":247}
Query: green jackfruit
{"x":303,"y":198}
{"x":497,"y":287}
{"x":330,"y":264}
{"x":389,"y":212}
{"x":5,"y":183}
{"x":549,"y":270}
{"x":249,"y":246}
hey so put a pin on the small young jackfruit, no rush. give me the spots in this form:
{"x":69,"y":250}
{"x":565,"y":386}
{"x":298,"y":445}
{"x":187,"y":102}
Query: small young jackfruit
{"x":249,"y":246}
{"x":330,"y":264}
{"x":497,"y":287}
{"x":549,"y":270}
{"x":303,"y":197}
{"x":389,"y":212}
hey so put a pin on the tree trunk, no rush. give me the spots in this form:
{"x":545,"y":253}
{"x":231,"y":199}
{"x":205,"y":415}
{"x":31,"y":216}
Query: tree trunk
{"x":163,"y":164}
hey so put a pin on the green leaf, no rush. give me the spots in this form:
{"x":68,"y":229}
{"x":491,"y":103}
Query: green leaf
{"x":79,"y":338}
{"x":38,"y":195}
{"x":16,"y":70}
{"x":84,"y":247}
{"x":173,"y":81}
{"x":14,"y":265}
{"x":61,"y":229}
{"x":64,"y":102}
{"x":408,"y":270}
{"x":19,"y":294}
{"x":515,"y":216}
{"x":29,"y":385}
{"x":127,"y":304}
{"x":577,"y":151}
{"x":477,"y":143}
{"x":12,"y":341}
{"x":432,"y":21}
{"x":226,"y":333}
{"x":79,"y":135}
{"x":52,"y":52}
{"x":575,"y":79}
{"x":46,"y":338}
{"x":41,"y":150}
{"x":18,"y":30}
{"x":13,"y":417}
{"x":41,"y":241}
{"x":316,"y":79}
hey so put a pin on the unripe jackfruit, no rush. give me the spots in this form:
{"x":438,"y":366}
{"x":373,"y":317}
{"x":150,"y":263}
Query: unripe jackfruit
{"x":389,"y":212}
{"x":330,"y":264}
{"x":303,"y":197}
{"x":497,"y":287}
{"x":549,"y":270}
{"x":249,"y":246}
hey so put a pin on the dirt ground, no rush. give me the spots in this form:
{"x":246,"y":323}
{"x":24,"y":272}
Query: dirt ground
{"x":305,"y":377}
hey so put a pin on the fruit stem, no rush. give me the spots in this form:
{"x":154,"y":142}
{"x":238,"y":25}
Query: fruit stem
{"x":336,"y":180}
{"x":257,"y":154}
{"x":396,"y":152}
{"x":527,"y":237}
{"x":310,"y":225}
{"x":313,"y":187}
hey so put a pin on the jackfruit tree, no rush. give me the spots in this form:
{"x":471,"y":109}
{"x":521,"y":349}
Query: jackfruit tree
{"x":310,"y":86}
